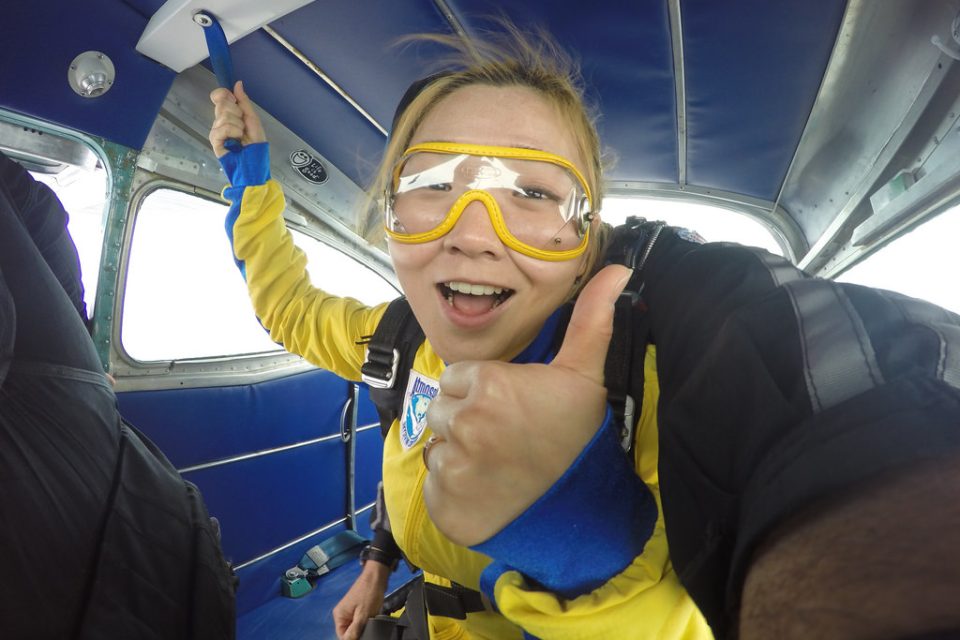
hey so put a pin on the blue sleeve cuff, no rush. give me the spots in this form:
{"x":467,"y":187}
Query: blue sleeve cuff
{"x":248,"y":167}
{"x":588,"y":527}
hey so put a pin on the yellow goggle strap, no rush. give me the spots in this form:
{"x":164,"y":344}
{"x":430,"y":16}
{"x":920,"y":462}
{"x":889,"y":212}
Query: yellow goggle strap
{"x":496,"y":219}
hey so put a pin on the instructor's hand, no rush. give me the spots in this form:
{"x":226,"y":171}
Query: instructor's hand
{"x":234,"y":118}
{"x":507,"y":432}
{"x":361,"y":602}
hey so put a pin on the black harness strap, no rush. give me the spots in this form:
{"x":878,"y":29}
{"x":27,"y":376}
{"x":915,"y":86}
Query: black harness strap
{"x":622,"y":373}
{"x":630,"y":245}
{"x":390,"y":353}
{"x":410,"y":625}
{"x":455,"y":601}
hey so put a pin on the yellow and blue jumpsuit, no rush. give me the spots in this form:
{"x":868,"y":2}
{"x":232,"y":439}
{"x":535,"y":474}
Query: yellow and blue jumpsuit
{"x":588,"y":560}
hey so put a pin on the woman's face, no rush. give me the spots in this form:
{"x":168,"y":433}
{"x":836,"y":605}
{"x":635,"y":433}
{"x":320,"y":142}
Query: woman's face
{"x":471,"y":255}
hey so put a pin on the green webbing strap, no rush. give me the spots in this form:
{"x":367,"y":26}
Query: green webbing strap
{"x":333,"y":552}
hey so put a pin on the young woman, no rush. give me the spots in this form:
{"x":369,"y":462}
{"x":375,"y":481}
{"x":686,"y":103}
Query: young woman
{"x":492,"y":183}
{"x":774,"y":405}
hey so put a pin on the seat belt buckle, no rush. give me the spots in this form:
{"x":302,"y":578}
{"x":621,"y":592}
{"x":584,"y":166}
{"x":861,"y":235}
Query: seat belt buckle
{"x":295,"y":583}
{"x":379,"y":370}
{"x":300,"y":579}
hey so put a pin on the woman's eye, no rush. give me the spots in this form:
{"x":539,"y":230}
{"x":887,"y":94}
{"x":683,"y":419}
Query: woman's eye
{"x":440,"y":186}
{"x":536,"y":194}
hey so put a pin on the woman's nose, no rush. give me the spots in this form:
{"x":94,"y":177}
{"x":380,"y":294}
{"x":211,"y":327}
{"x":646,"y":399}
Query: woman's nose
{"x":473,"y":234}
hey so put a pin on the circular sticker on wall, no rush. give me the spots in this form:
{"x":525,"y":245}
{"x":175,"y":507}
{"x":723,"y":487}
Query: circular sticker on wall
{"x":307,"y":166}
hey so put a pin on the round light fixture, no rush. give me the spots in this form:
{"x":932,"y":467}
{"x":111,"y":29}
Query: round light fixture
{"x":91,"y":74}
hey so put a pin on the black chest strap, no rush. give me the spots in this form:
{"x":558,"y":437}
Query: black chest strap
{"x":390,"y":353}
{"x":630,"y":244}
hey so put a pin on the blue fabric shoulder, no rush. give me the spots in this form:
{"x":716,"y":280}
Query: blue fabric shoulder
{"x":588,"y":527}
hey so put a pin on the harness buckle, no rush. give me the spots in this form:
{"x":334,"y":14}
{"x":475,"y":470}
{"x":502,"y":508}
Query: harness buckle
{"x":624,"y":416}
{"x":379,"y":370}
{"x":629,"y":423}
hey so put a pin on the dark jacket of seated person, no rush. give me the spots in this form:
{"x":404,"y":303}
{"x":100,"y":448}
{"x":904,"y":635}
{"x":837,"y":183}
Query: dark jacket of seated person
{"x":100,"y":537}
{"x":43,"y":215}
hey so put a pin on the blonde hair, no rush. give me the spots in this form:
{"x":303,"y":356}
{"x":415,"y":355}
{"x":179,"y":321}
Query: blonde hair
{"x":500,"y":59}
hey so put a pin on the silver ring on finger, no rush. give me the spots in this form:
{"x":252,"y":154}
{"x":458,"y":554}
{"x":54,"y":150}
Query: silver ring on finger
{"x":431,"y":441}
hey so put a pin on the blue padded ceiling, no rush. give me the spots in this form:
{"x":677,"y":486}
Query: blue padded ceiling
{"x":33,"y":74}
{"x":293,"y":94}
{"x":356,"y":44}
{"x":753,"y":69}
{"x":351,"y":42}
{"x":627,"y":64}
{"x":752,"y":72}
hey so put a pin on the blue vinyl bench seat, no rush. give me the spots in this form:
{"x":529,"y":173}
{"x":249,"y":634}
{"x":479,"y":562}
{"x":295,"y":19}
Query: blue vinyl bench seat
{"x":311,"y":616}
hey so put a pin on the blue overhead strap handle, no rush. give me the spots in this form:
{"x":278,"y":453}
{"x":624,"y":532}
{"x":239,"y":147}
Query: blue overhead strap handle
{"x":219,"y":58}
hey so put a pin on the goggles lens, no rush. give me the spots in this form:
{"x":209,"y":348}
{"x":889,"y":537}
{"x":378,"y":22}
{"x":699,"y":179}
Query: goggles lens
{"x":539,"y":201}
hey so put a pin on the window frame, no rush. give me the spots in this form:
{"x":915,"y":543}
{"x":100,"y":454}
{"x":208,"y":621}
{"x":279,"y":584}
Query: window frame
{"x":132,"y":374}
{"x":950,"y":206}
{"x":773,"y":217}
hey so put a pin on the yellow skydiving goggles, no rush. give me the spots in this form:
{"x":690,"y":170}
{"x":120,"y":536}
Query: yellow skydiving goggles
{"x":539,"y":203}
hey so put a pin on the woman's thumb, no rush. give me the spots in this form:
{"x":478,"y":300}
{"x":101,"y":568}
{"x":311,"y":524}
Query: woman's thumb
{"x":585,"y":344}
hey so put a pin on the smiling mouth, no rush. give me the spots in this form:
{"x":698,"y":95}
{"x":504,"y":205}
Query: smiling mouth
{"x":473,"y":298}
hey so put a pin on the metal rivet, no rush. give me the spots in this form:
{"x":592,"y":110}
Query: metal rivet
{"x":202,"y":19}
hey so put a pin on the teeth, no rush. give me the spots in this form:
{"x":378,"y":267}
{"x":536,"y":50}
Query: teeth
{"x":474,"y":289}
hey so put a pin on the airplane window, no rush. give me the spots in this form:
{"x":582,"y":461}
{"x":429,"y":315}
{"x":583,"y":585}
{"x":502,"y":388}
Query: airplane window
{"x":923,"y":263}
{"x":184,"y":296}
{"x":338,"y":273}
{"x":83,"y":193}
{"x":714,"y":224}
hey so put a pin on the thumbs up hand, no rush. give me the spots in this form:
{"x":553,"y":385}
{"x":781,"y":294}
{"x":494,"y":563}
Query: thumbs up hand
{"x":507,"y":432}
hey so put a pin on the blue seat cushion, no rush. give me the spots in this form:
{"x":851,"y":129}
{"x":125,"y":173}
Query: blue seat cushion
{"x":310,"y":616}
